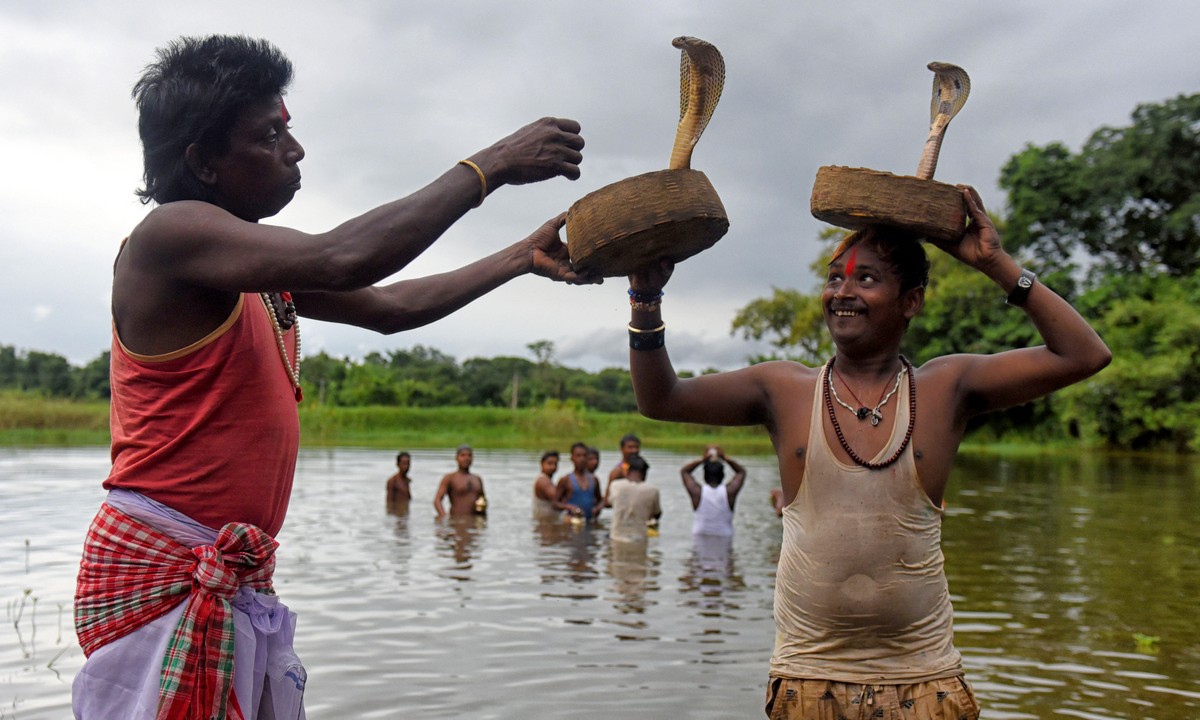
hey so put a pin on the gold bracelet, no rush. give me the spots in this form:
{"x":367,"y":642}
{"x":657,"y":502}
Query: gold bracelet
{"x":639,"y":331}
{"x":482,"y":180}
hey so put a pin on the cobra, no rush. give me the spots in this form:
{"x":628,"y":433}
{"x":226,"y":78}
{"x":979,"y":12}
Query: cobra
{"x":701,"y":79}
{"x":951,"y":86}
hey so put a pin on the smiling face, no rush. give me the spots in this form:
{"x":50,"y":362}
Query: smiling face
{"x":862,"y":300}
{"x":258,"y":176}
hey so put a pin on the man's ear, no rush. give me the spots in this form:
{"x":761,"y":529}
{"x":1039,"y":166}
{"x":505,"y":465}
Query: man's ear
{"x":914,"y":300}
{"x":197,"y":162}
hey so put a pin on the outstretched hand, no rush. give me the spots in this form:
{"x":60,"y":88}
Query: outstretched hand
{"x":980,"y":245}
{"x":549,"y":257}
{"x":541,"y":150}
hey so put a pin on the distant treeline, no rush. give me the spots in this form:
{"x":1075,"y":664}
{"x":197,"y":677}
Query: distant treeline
{"x":418,"y":377}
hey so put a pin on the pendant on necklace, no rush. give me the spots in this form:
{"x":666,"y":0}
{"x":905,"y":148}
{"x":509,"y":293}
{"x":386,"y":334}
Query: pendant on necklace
{"x":862,"y":413}
{"x":876,"y":417}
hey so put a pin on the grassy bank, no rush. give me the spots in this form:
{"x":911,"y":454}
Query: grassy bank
{"x":33,"y":421}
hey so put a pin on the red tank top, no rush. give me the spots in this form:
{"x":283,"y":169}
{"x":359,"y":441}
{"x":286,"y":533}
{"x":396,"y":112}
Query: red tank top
{"x":210,"y":430}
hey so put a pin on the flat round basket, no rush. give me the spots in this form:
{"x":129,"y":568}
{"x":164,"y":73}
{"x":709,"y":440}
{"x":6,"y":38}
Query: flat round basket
{"x":854,"y":198}
{"x":630,"y":224}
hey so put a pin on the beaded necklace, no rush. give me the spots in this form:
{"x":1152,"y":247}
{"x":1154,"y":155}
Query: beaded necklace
{"x":290,"y":319}
{"x":837,"y":428}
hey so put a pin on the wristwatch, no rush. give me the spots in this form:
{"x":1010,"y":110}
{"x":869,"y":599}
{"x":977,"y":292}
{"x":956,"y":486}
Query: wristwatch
{"x":1020,"y":293}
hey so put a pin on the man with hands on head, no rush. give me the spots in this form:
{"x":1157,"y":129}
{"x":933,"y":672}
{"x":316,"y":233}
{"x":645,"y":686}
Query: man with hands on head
{"x":865,"y":445}
{"x":205,"y":371}
{"x":713,"y":502}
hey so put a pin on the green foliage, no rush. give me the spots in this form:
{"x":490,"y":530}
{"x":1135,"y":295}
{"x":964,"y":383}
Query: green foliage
{"x":50,"y":375}
{"x":1149,"y":397}
{"x":1130,"y":197}
{"x":791,"y":320}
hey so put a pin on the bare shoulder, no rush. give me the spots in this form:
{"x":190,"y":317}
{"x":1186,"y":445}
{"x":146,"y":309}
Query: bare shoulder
{"x":785,"y":373}
{"x":167,"y":222}
{"x":946,"y":370}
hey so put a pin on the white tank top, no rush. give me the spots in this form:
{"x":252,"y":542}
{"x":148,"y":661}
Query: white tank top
{"x":713,"y":515}
{"x":860,"y":593}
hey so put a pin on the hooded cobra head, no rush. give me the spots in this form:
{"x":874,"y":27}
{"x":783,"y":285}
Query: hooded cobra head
{"x":951,"y":86}
{"x":701,"y":79}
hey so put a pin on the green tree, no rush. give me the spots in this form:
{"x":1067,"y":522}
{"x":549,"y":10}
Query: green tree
{"x":321,"y":376}
{"x":1149,"y":397}
{"x":790,"y":320}
{"x":92,"y":380}
{"x":46,"y":373}
{"x":1130,"y":197}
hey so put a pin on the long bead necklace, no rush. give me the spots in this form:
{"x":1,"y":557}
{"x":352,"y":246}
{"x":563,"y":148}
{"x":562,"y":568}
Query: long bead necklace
{"x":291,"y":319}
{"x":863,"y":411}
{"x":837,"y":427}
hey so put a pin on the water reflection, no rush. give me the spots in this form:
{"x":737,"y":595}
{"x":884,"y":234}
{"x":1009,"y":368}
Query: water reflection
{"x":711,"y":582}
{"x":634,"y":568}
{"x":460,"y":535}
{"x":1074,"y":578}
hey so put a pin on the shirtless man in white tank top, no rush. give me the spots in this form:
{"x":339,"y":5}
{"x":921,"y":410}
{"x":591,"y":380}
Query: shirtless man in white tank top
{"x":865,"y":444}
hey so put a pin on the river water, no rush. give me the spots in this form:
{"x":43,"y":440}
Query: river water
{"x":1076,"y":584}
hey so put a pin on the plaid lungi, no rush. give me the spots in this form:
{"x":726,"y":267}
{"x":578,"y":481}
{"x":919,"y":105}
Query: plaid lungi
{"x":132,"y":573}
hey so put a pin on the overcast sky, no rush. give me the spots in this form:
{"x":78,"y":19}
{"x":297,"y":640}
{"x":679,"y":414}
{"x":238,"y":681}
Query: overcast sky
{"x":387,"y":95}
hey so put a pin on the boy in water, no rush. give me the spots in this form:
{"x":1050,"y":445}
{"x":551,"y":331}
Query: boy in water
{"x":579,"y":490}
{"x":399,"y":490}
{"x":463,"y":487}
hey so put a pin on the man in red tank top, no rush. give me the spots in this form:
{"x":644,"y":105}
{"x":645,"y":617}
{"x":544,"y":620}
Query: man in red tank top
{"x":862,"y":611}
{"x":206,"y":354}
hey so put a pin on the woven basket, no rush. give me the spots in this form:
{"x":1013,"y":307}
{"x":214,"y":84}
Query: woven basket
{"x":626,"y":226}
{"x":857,"y":197}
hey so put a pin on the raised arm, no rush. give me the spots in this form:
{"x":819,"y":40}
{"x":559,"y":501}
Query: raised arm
{"x":413,"y":303}
{"x":689,"y":481}
{"x":203,"y":245}
{"x":730,"y":398}
{"x":734,"y":486}
{"x":1072,"y":351}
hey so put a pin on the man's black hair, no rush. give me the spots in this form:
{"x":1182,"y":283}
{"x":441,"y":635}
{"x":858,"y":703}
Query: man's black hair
{"x":403,"y":454}
{"x":638,"y":464}
{"x":899,"y":249}
{"x":194,"y":93}
{"x":549,"y":454}
{"x":630,"y":437}
{"x":714,"y":472}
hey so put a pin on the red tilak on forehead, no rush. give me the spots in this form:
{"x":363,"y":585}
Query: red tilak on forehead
{"x":850,"y":261}
{"x":283,"y":113}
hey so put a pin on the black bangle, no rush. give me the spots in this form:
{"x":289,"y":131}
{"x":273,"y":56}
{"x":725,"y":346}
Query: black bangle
{"x":1020,"y":293}
{"x":647,"y":339}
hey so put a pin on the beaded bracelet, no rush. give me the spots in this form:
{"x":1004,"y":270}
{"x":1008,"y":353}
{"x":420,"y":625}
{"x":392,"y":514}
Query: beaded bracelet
{"x":640,"y":339}
{"x":645,"y":302}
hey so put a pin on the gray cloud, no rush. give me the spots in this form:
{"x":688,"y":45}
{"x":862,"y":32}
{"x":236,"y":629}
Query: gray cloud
{"x":389,"y":95}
